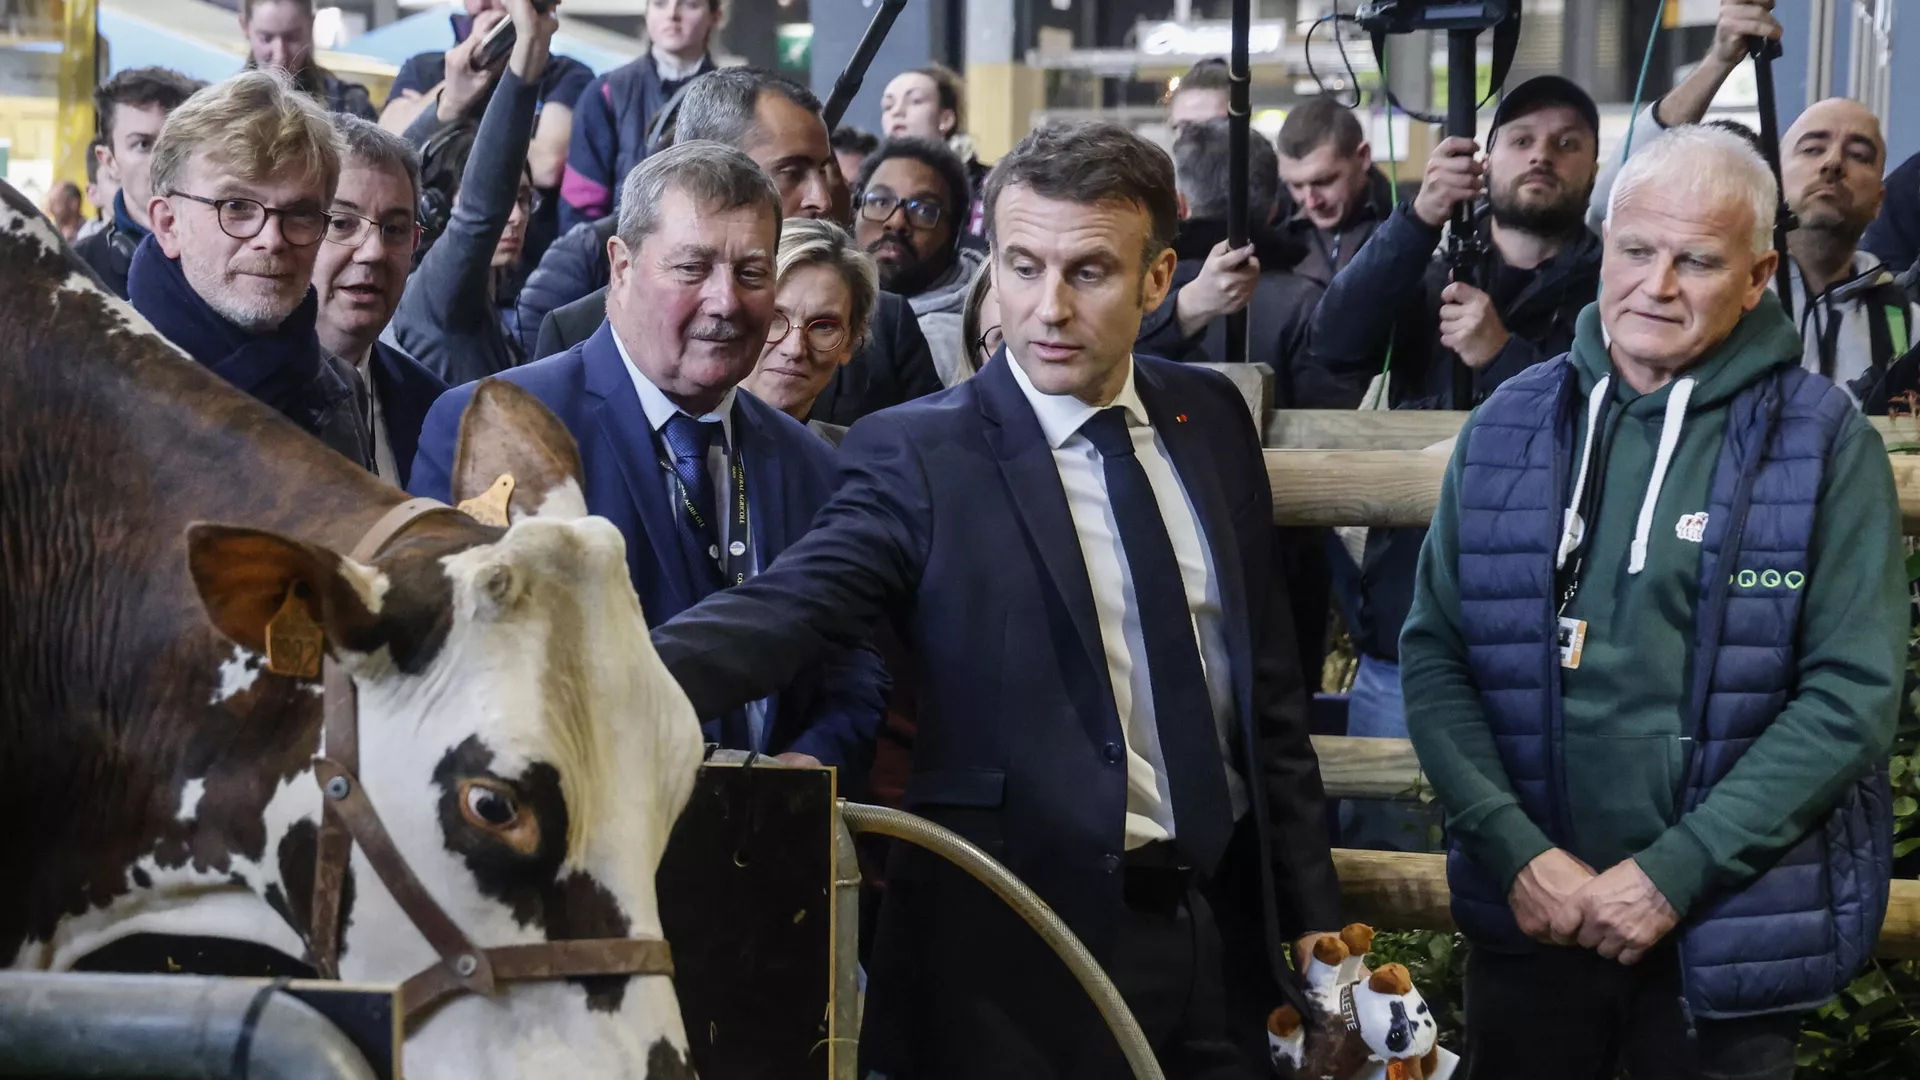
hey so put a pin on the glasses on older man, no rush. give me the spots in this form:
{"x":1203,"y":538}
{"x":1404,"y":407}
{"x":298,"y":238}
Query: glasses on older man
{"x":243,"y":219}
{"x":823,"y":335}
{"x":880,"y":205}
{"x":352,"y":230}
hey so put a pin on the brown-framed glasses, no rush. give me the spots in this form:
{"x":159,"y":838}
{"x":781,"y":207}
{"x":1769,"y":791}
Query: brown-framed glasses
{"x":243,"y":219}
{"x":823,"y":335}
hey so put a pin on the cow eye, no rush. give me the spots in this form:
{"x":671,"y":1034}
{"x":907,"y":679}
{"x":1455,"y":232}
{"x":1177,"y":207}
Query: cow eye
{"x":489,"y":807}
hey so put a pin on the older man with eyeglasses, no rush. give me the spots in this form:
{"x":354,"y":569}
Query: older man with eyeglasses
{"x":907,"y":206}
{"x":242,"y":177}
{"x":372,"y":233}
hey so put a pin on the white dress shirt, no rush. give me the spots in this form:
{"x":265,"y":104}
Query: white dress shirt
{"x":1083,"y":475}
{"x":659,"y":409}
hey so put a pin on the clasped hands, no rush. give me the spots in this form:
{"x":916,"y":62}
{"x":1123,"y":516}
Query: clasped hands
{"x":1559,"y":900}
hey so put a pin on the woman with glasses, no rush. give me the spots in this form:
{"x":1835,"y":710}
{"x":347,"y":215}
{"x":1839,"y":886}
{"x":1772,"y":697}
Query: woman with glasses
{"x":448,"y":319}
{"x":827,"y":289}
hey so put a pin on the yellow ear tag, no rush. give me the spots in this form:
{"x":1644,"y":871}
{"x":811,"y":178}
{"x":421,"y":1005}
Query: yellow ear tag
{"x":294,"y":640}
{"x":490,"y":506}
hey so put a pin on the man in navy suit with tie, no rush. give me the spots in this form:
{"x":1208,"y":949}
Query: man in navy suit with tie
{"x":1077,"y":546}
{"x":707,"y":483}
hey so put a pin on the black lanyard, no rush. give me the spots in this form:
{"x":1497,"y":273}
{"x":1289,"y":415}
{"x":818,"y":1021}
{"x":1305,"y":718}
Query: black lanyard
{"x":1589,"y":509}
{"x":734,"y":559}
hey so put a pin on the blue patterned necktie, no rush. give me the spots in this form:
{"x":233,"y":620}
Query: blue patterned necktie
{"x":1182,"y":708}
{"x":690,"y":440}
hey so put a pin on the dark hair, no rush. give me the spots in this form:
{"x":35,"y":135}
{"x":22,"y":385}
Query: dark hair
{"x":140,"y":88}
{"x":93,"y":160}
{"x":936,"y":156}
{"x":368,"y":143}
{"x":1313,"y":124}
{"x":1208,"y":74}
{"x":852,"y":140}
{"x":1090,"y":161}
{"x":721,"y":105}
{"x":1200,"y":168}
{"x":1742,"y":130}
{"x":952,"y":90}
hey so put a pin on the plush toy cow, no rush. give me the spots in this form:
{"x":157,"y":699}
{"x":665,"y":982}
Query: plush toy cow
{"x":1365,"y":1025}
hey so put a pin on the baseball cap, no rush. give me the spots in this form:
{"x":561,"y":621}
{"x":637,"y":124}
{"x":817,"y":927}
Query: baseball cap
{"x":1544,"y":90}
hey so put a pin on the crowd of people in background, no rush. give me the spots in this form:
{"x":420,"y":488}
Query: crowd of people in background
{"x":709,"y":288}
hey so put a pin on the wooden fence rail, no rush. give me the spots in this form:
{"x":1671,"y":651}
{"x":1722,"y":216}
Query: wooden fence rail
{"x":1413,"y":429}
{"x":1353,"y":767}
{"x":1326,"y":488}
{"x":1395,"y":890}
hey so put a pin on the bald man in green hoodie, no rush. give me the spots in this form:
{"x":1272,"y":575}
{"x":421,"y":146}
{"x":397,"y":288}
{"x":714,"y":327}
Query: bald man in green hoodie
{"x":1657,"y":874}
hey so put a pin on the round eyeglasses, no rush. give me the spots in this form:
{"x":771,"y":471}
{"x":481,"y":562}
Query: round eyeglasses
{"x":243,"y":219}
{"x":989,"y":342}
{"x":823,"y":335}
{"x":879,"y":206}
{"x":352,"y":230}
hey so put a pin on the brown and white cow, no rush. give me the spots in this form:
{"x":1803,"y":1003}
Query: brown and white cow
{"x":525,"y":748}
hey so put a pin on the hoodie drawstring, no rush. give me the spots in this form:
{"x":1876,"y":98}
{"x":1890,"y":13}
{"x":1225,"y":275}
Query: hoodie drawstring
{"x":1572,"y":529}
{"x":1669,"y":441}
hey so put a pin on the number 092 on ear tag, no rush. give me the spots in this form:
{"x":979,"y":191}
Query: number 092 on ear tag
{"x":294,"y":640}
{"x":1573,"y":641}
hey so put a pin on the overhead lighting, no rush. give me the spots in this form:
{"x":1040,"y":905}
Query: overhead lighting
{"x":1212,"y":38}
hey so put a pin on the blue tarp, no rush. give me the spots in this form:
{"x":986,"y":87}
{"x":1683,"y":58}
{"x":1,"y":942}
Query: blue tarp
{"x":132,"y":43}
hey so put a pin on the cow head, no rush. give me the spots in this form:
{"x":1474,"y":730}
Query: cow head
{"x":523,"y":745}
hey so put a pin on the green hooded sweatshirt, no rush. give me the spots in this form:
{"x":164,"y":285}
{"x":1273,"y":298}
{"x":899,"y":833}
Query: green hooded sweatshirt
{"x":1624,"y":706}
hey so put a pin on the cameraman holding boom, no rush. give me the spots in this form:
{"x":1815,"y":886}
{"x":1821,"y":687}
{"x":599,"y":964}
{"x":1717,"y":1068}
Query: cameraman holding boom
{"x":1451,"y":342}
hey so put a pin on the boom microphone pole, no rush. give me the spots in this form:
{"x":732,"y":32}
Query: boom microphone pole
{"x":1466,"y":253}
{"x":848,"y":84}
{"x":1763,"y":51}
{"x":1239,"y":117}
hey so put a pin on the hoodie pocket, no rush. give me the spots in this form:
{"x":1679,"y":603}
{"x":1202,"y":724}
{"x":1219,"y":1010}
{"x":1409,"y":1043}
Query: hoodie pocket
{"x":1620,"y":792}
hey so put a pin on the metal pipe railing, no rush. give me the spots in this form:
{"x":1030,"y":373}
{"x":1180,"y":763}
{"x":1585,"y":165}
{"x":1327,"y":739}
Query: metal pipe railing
{"x":167,"y":1027}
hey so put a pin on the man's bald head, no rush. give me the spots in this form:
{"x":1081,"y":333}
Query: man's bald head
{"x":1830,"y":164}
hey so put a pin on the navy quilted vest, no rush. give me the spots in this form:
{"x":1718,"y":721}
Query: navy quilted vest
{"x":1794,"y":936}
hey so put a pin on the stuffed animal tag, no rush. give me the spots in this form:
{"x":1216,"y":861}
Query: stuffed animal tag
{"x":294,"y":640}
{"x":490,"y":506}
{"x":1573,"y":641}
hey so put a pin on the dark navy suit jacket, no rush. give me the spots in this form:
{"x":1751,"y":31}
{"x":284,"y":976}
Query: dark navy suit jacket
{"x":406,"y":390}
{"x":834,"y":712}
{"x":951,"y":518}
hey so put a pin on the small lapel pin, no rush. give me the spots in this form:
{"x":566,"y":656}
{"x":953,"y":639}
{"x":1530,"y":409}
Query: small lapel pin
{"x":1181,"y":419}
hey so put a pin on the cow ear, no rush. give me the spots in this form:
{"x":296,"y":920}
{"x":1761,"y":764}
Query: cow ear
{"x":248,"y":578}
{"x":506,"y":431}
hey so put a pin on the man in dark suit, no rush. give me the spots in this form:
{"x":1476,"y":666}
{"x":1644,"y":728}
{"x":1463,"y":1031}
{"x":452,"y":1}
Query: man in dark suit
{"x":359,"y":274}
{"x":707,"y":483}
{"x":777,"y":123}
{"x":1077,"y":545}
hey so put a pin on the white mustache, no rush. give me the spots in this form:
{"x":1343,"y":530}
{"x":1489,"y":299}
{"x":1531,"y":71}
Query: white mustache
{"x":717,"y":330}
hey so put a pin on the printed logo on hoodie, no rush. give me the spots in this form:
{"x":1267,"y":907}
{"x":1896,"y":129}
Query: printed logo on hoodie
{"x":1692,"y":527}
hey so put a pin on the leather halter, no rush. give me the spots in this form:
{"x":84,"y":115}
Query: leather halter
{"x":349,"y":819}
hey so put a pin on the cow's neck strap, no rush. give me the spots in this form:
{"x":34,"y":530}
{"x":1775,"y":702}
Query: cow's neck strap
{"x":349,"y":818}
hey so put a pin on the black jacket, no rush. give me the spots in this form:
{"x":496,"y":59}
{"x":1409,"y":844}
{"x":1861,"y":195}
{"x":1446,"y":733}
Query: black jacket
{"x":895,"y":366}
{"x":1277,"y":317}
{"x":406,"y":390}
{"x":574,"y":266}
{"x":1390,"y":296}
{"x":110,"y":250}
{"x":1325,"y":258}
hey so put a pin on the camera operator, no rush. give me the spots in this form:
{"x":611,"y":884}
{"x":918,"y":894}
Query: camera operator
{"x":1451,"y":343}
{"x":1855,"y":319}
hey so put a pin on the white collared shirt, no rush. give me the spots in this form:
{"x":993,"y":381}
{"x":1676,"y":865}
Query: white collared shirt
{"x":673,"y":69}
{"x":659,"y":410}
{"x":1083,"y":476}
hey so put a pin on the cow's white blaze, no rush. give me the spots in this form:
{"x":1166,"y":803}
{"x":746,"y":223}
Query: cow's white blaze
{"x":547,"y":661}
